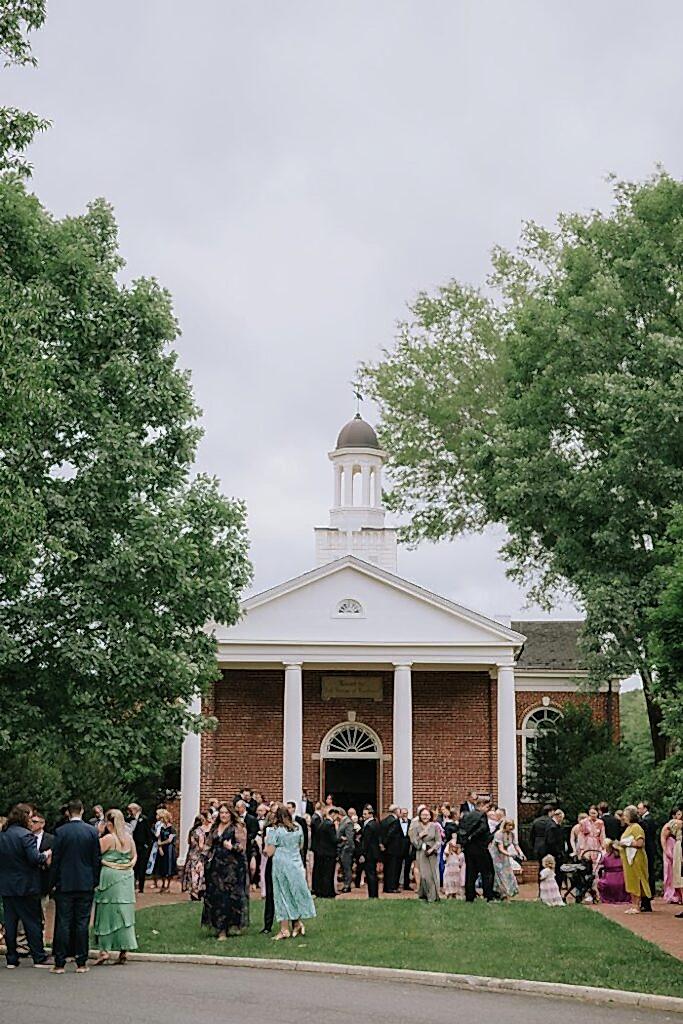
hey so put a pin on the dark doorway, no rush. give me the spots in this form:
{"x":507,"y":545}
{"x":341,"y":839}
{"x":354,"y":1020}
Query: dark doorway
{"x":351,"y":783}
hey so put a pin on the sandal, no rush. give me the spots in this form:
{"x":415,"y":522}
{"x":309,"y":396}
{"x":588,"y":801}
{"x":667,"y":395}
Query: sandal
{"x":298,"y":930}
{"x":281,"y":935}
{"x":102,"y":960}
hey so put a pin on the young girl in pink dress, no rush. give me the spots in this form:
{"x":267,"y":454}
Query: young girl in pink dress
{"x":549,"y":889}
{"x":454,"y":871}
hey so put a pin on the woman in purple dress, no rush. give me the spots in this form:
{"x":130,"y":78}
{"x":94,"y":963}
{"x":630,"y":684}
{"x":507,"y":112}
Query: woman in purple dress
{"x":611,"y":886}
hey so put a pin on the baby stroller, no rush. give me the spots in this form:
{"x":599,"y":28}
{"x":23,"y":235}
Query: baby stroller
{"x":578,"y":882}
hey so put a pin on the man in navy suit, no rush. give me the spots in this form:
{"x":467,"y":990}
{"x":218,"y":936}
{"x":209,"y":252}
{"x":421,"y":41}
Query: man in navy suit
{"x":20,"y":885}
{"x":76,"y":871}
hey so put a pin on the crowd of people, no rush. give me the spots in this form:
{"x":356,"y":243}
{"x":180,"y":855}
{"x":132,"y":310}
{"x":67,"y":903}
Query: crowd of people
{"x":295,"y":853}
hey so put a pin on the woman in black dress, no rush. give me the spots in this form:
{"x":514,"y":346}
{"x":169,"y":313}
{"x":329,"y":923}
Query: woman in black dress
{"x":226,"y":899}
{"x":166,"y":865}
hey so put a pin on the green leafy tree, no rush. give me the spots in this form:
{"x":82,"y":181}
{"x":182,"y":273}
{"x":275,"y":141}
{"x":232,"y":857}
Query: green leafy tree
{"x":112,"y":557}
{"x":18,"y":127}
{"x":666,"y":620}
{"x":550,"y":403}
{"x":635,"y":730}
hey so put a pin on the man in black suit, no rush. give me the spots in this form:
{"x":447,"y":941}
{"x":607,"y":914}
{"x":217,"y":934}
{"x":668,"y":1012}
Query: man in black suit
{"x":556,"y":843}
{"x":143,"y":838}
{"x":303,"y":825}
{"x":327,"y":853}
{"x":370,"y":851}
{"x":474,"y":835}
{"x":613,"y":827}
{"x":408,"y":855}
{"x":391,"y":835}
{"x":316,"y":822}
{"x":76,"y":865}
{"x":306,"y":805}
{"x":469,"y":803}
{"x":538,"y":836}
{"x":649,"y":826}
{"x":250,"y":822}
{"x":20,"y":885}
{"x":44,"y":842}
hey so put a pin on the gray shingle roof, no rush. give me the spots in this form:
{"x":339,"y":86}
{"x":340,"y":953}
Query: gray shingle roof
{"x":550,"y":644}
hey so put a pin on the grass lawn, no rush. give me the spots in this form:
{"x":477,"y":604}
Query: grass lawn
{"x":518,"y":940}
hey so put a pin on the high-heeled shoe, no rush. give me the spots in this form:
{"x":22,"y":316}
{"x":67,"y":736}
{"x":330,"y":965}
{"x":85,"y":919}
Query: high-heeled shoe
{"x":298,"y":930}
{"x":281,"y":935}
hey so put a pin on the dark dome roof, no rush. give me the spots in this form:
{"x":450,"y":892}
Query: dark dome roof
{"x":357,"y":434}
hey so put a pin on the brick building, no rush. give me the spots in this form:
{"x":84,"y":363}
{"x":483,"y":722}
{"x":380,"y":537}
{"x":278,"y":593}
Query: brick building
{"x":352,"y":681}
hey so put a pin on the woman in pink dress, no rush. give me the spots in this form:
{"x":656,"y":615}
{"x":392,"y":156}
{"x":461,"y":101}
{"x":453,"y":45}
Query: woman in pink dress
{"x":591,"y":836}
{"x":672,"y":855}
{"x":611,"y":885}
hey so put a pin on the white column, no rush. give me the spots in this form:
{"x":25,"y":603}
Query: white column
{"x":403,"y":736}
{"x":507,"y":740}
{"x":348,"y":485}
{"x":190,"y":779}
{"x":366,"y":485}
{"x":293,"y":739}
{"x":378,"y":486}
{"x":337,"y":486}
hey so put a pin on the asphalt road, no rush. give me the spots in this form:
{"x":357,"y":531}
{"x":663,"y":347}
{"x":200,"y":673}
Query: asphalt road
{"x":181,"y":994}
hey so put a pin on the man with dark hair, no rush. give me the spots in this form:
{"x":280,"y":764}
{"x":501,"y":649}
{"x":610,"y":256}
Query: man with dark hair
{"x":474,"y":836}
{"x":346,"y":839}
{"x":392,"y":840}
{"x":469,"y":802}
{"x":76,"y":865}
{"x":613,"y":827}
{"x":327,"y":853}
{"x":20,"y":885}
{"x":370,"y":850}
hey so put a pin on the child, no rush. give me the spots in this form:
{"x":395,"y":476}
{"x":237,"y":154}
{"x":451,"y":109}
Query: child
{"x":549,"y":889}
{"x":454,"y":869}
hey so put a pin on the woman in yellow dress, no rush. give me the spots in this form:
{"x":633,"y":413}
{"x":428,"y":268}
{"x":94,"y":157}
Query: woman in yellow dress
{"x":633,"y":859}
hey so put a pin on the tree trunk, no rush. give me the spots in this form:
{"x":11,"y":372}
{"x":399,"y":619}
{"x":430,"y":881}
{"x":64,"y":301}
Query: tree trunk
{"x":654,"y":714}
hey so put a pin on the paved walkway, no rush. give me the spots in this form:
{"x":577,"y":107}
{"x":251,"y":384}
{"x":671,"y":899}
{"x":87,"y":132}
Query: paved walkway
{"x":178,"y":993}
{"x":660,"y":927}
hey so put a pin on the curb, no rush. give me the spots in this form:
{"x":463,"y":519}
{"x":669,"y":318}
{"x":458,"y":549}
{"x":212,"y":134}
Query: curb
{"x":469,"y":982}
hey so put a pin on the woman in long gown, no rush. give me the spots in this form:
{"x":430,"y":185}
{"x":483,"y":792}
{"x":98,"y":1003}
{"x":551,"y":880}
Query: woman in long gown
{"x":425,"y":836}
{"x":226,"y":898}
{"x":611,"y":885}
{"x":292,"y":899}
{"x":503,"y":850}
{"x":672,"y":856}
{"x":193,"y":869}
{"x":115,"y":895}
{"x":633,"y":859}
{"x":591,"y":836}
{"x":167,"y":858}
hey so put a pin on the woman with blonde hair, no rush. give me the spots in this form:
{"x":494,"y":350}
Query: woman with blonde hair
{"x":115,"y":894}
{"x":165,"y":867}
{"x":672,"y":855}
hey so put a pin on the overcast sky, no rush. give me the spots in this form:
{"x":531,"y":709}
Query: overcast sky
{"x":294,"y":172}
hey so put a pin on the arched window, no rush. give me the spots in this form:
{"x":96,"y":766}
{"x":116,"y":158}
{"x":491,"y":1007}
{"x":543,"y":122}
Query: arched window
{"x":349,"y":607}
{"x":529,"y":732}
{"x":352,"y":740}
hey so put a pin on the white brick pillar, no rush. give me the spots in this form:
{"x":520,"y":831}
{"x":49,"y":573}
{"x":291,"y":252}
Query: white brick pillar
{"x":190,"y":779}
{"x":293,"y":734}
{"x":402,"y":758}
{"x":507,"y":739}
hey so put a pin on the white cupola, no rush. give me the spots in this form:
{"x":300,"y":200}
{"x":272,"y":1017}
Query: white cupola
{"x":357,"y":514}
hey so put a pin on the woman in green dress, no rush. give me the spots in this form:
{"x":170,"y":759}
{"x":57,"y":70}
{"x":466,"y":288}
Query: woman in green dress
{"x":115,"y":895}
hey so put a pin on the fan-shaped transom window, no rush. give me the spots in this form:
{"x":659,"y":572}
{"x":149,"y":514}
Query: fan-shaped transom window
{"x":529,"y":732}
{"x":351,"y":740}
{"x":349,"y":607}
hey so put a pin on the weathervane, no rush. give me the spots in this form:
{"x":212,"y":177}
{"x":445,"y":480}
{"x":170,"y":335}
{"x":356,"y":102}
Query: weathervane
{"x":358,"y":395}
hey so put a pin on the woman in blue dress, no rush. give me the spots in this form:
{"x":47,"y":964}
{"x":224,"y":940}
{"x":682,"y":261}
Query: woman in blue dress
{"x":291,"y":896}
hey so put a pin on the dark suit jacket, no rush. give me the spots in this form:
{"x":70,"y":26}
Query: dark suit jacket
{"x":303,"y":825}
{"x":556,"y":842}
{"x":316,"y":822}
{"x":142,"y":837}
{"x":538,"y":836}
{"x":465,"y":807}
{"x":310,"y":808}
{"x":251,"y":825}
{"x":474,"y":831}
{"x":613,"y":827}
{"x":327,"y":839}
{"x":76,"y":857}
{"x":369,"y":840}
{"x":47,"y":874}
{"x":20,"y":862}
{"x":650,"y":829}
{"x":392,"y":836}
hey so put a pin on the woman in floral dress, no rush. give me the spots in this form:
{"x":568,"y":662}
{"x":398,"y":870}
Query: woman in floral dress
{"x":591,"y":836}
{"x":503,"y":850}
{"x":226,"y":897}
{"x":193,"y":870}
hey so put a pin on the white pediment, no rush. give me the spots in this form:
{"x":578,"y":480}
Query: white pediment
{"x":351,"y":601}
